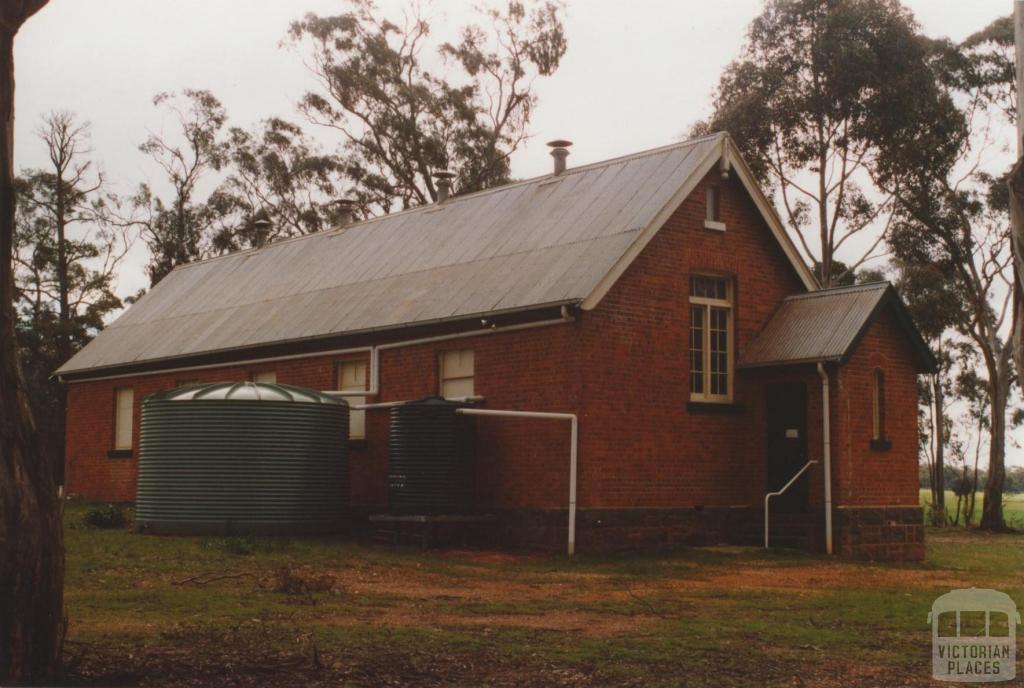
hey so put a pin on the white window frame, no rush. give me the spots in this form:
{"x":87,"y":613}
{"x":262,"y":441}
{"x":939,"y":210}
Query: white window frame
{"x":453,"y":365}
{"x":357,"y":383}
{"x":706,"y":304}
{"x":124,"y":419}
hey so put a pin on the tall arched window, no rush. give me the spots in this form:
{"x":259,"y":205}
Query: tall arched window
{"x":878,"y":405}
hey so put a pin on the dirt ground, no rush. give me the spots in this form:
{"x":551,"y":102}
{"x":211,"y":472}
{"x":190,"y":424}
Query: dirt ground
{"x":195,"y":612}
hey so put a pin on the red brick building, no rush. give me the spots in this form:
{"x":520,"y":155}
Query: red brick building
{"x":657,"y":297}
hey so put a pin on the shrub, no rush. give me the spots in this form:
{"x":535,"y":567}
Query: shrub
{"x":291,"y":581}
{"x":107,"y":517}
{"x":240,"y":546}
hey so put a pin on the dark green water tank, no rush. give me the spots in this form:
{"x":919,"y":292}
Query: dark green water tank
{"x":430,"y":462}
{"x":242,"y":458}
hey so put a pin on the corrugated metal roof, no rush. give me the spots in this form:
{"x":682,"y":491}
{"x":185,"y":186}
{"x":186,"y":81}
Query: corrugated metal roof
{"x":543,"y":241}
{"x":823,"y":325}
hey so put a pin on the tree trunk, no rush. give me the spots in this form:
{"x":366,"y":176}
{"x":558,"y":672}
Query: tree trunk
{"x":938,"y":467}
{"x":31,"y":542}
{"x":992,"y":509}
{"x":64,"y":343}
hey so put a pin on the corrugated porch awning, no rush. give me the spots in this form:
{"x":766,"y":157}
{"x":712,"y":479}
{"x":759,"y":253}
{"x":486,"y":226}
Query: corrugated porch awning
{"x":826,"y":326}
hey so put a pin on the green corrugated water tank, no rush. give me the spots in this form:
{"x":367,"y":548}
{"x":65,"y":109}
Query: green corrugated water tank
{"x":242,"y":458}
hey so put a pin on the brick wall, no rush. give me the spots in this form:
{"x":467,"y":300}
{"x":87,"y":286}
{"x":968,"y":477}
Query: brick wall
{"x":868,"y":477}
{"x":623,"y":367}
{"x":640,"y":445}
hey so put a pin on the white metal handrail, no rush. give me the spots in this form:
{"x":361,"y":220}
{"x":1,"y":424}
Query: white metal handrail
{"x":776,"y":494}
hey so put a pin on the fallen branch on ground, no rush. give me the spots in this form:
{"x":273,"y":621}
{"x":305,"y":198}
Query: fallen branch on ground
{"x":199,"y":580}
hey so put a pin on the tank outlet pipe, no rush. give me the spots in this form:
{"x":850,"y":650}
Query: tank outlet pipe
{"x":374,"y":388}
{"x":573,"y":453}
{"x":826,"y":423}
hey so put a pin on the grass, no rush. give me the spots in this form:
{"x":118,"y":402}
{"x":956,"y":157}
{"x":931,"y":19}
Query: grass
{"x":1013,"y":506}
{"x":319,"y":611}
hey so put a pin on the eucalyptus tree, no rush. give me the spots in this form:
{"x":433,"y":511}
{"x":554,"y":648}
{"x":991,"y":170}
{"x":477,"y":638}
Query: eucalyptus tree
{"x":405,"y":105}
{"x":278,"y":174}
{"x":931,"y":296}
{"x":822,"y":92}
{"x":31,"y":541}
{"x":954,"y":214}
{"x":67,"y":249}
{"x":178,"y":230}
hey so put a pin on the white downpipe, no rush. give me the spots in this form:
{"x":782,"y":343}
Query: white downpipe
{"x":827,"y":455}
{"x":374,"y":388}
{"x":573,"y":453}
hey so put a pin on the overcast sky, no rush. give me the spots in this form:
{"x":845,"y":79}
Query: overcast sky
{"x":637,"y":73}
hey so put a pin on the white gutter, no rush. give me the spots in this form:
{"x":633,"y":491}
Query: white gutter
{"x":573,"y":453}
{"x":827,"y":455}
{"x":374,"y":388}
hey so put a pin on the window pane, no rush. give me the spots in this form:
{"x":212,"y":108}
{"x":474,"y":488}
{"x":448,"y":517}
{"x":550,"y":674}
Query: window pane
{"x":712,"y":204}
{"x":457,"y":363}
{"x":719,"y":354}
{"x":709,"y":287}
{"x":878,"y":405}
{"x":269,"y":377}
{"x":697,"y":349}
{"x":125,"y":398}
{"x":457,"y":387}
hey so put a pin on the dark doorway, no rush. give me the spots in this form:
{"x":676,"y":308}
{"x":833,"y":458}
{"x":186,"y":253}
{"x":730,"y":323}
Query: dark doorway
{"x":786,"y":413}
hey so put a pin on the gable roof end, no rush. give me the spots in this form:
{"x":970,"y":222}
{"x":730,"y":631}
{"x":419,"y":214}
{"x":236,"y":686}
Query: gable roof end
{"x":728,"y":151}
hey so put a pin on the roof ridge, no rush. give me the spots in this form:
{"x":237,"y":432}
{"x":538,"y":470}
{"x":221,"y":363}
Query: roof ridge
{"x":455,"y":199}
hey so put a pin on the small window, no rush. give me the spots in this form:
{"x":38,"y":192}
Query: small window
{"x":711,"y":336}
{"x":713,"y":209}
{"x":184,"y":383}
{"x":125,"y":406}
{"x":457,"y":374}
{"x":352,"y":378}
{"x":878,"y":405}
{"x":267,"y":376}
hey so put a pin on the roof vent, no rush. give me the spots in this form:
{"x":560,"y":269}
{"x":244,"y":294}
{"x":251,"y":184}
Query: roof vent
{"x":345,"y":208}
{"x":261,"y":232}
{"x":559,"y":151}
{"x":444,"y":184}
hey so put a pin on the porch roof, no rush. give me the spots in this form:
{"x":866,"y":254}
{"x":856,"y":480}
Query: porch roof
{"x":826,"y":326}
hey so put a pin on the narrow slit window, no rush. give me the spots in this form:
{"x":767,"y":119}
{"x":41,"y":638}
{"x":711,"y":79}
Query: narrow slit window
{"x":711,"y":337}
{"x":124,"y":401}
{"x":878,"y":405}
{"x":713,"y":210}
{"x":457,"y":374}
{"x":352,"y":378}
